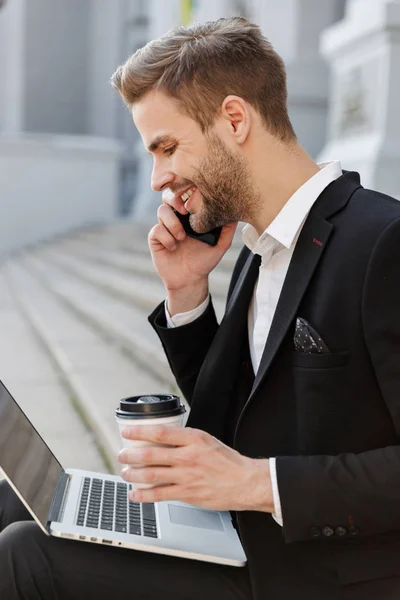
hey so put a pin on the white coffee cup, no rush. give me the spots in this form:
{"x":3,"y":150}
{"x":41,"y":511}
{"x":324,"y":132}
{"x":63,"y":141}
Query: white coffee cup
{"x":152,"y":409}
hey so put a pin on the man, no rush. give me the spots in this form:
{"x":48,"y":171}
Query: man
{"x":295,"y":409}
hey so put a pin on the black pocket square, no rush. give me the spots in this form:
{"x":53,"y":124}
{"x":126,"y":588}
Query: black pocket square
{"x":307,"y":340}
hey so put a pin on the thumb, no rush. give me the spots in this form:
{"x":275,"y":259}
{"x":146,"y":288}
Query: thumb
{"x":226,"y":237}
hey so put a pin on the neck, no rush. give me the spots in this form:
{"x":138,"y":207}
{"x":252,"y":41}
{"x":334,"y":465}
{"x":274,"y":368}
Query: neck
{"x":279,"y":179}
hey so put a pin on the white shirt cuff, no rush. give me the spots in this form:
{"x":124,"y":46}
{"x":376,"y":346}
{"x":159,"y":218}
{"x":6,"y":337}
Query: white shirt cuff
{"x":186,"y":317}
{"x":277,"y":515}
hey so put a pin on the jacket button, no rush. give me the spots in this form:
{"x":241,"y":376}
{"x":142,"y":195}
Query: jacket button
{"x":315,"y":532}
{"x":353,"y":530}
{"x":341,"y":531}
{"x":327,"y":531}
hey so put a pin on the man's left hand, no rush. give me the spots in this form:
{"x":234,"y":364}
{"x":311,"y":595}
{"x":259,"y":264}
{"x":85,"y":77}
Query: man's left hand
{"x":197,"y":469}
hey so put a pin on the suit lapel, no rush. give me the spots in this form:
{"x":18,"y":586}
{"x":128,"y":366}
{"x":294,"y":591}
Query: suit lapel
{"x":311,"y":245}
{"x":309,"y":249}
{"x":216,"y":380}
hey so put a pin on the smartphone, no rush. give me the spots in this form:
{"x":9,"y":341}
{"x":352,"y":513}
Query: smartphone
{"x":211,"y":237}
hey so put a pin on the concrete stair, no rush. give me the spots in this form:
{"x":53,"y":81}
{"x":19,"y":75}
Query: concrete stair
{"x":32,"y":375}
{"x":85,"y":299}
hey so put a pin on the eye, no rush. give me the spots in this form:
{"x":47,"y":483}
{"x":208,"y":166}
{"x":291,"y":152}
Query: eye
{"x":170,"y":150}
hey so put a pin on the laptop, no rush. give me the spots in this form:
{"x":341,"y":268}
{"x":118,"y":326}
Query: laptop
{"x":94,"y":507}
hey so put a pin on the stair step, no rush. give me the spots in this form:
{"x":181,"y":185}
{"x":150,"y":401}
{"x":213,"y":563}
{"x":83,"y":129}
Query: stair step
{"x":124,"y":325}
{"x":132,"y":264}
{"x":130,"y":238}
{"x":146,"y":294}
{"x":29,"y":373}
{"x":95,"y":370}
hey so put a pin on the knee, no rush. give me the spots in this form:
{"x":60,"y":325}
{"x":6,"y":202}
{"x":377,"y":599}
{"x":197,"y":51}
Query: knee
{"x":20,"y":560}
{"x":19,"y":542}
{"x":17,"y":534}
{"x":11,"y":508}
{"x":20,"y":538}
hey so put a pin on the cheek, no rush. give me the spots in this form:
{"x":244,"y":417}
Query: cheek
{"x":189,"y":169}
{"x":180,"y":164}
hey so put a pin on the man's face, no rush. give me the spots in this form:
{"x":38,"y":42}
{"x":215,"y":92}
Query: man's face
{"x":186,"y":159}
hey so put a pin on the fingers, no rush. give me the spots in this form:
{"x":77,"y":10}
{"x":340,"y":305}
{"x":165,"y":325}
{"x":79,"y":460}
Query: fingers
{"x":227,"y":235}
{"x":168,"y":218}
{"x":154,"y":476}
{"x":164,"y":434}
{"x":149,"y":455}
{"x":169,"y":230}
{"x":158,"y":494}
{"x":170,"y":199}
{"x":160,"y":238}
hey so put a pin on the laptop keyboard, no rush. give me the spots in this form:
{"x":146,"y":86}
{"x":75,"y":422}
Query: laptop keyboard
{"x":105,"y":505}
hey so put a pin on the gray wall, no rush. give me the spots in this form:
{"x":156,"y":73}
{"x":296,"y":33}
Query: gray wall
{"x":56,"y":55}
{"x":105,"y":31}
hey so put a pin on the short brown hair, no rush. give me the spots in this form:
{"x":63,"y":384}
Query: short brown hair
{"x":202,"y":64}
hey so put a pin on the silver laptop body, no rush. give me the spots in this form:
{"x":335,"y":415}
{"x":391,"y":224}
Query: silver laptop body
{"x":93,"y":507}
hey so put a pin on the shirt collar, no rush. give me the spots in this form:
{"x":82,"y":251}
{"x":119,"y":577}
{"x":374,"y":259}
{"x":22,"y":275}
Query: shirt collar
{"x":286,"y":226}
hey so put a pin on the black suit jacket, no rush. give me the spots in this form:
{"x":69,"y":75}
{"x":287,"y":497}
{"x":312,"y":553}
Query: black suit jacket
{"x":332,"y":420}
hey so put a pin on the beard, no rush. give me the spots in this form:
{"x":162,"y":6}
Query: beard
{"x":224,"y":181}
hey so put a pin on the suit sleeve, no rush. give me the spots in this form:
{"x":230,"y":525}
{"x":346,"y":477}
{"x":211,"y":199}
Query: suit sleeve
{"x":187,"y":346}
{"x":358,"y":493}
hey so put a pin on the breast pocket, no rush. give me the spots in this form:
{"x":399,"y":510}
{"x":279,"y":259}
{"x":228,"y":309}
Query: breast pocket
{"x":320,"y":361}
{"x":323,"y":401}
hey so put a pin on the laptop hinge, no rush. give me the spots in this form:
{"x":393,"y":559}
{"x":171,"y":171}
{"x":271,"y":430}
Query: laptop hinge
{"x":57,"y":504}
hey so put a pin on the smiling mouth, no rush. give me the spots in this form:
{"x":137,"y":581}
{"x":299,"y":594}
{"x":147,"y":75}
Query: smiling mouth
{"x":185,"y":197}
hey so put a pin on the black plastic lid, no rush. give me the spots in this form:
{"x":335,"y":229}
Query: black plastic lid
{"x":150,"y":406}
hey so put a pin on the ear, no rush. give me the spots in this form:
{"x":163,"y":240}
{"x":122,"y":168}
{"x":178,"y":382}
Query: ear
{"x":236,"y":113}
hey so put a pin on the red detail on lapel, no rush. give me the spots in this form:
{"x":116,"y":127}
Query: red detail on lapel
{"x":350,"y":520}
{"x":317,"y":242}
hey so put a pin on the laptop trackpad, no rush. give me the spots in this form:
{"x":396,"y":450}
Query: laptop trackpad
{"x":195,"y":517}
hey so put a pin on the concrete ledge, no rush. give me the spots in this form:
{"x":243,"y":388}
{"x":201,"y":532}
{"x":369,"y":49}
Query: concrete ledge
{"x":53,"y":184}
{"x":43,"y":144}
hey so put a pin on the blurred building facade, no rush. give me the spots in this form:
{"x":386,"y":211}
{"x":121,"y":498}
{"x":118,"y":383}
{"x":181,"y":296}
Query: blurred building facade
{"x":68,"y":145}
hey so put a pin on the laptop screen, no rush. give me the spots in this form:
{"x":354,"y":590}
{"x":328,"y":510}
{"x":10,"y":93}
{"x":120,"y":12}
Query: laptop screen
{"x":25,"y":458}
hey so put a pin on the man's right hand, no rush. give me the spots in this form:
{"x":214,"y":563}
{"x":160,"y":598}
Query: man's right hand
{"x":183,"y":263}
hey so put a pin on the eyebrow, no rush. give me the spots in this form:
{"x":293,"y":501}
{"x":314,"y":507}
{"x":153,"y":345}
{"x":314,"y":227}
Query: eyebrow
{"x":160,"y":139}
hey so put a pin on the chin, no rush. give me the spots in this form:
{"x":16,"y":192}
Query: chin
{"x":198,"y":225}
{"x":202,"y":221}
{"x":198,"y":228}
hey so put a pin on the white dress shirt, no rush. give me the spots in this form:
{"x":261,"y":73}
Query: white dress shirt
{"x":275,"y":246}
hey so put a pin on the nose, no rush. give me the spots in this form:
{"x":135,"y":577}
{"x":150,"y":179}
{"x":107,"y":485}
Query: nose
{"x":160,"y":177}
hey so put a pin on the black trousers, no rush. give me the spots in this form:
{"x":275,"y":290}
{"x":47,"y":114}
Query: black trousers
{"x":34,"y":566}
